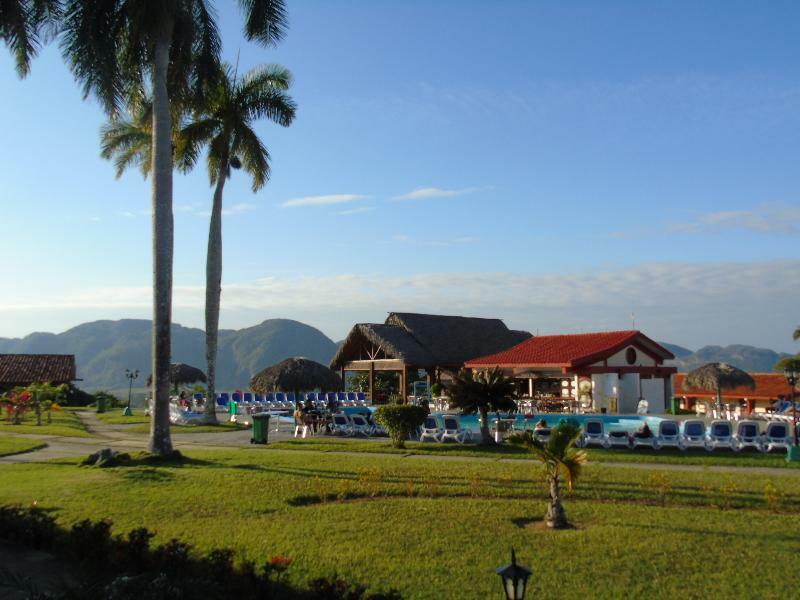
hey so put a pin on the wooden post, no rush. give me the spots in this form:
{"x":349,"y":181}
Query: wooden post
{"x":403,"y":385}
{"x":342,"y":375}
{"x":372,"y":382}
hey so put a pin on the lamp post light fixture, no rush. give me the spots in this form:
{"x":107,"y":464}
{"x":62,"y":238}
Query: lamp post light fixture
{"x":131,"y":375}
{"x":791,"y":378}
{"x":514,"y":578}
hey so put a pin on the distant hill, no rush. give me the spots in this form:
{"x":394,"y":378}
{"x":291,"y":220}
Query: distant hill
{"x":747,"y":358}
{"x":678,"y":351}
{"x":104,"y":349}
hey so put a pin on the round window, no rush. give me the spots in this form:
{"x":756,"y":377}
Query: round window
{"x":630,"y":356}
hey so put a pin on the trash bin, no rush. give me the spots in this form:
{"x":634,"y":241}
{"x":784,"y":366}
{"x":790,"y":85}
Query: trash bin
{"x":674,"y":405}
{"x":233,"y":409}
{"x":260,"y":428}
{"x":101,"y":404}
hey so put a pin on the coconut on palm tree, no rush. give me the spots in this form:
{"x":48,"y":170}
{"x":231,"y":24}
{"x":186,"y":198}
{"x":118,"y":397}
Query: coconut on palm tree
{"x":482,"y":392}
{"x":25,"y":25}
{"x":121,"y":49}
{"x":224,"y":122}
{"x":561,"y":461}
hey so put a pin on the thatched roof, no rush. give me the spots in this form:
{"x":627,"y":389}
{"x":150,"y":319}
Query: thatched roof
{"x":717,"y":377}
{"x":428,"y":340}
{"x":295,"y":375}
{"x":180,"y":373}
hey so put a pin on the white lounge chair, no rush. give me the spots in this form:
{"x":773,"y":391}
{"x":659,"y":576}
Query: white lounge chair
{"x":694,"y":434}
{"x":669,"y":434}
{"x":594,"y":432}
{"x":542,"y":434}
{"x":747,"y":436}
{"x":720,"y":435}
{"x":341,"y":425}
{"x":430,"y":430}
{"x":177,"y":416}
{"x":452,"y":430}
{"x":619,"y":439}
{"x":777,"y":435}
{"x":647,"y":442}
{"x":360,"y":426}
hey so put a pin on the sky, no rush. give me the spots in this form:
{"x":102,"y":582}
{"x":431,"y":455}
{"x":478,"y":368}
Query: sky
{"x":564,"y":166}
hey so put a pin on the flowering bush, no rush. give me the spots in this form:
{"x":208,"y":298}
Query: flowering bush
{"x":16,"y":403}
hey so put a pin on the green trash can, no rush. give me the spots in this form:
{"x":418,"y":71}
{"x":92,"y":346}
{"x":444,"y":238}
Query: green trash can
{"x":260,"y":428}
{"x":675,"y":402}
{"x":233,"y":408}
{"x":101,"y":404}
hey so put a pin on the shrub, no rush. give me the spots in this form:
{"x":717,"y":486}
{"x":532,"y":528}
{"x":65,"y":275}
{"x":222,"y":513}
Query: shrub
{"x":400,"y":420}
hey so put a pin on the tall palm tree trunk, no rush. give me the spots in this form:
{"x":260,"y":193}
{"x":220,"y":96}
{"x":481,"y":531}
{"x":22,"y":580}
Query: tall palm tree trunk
{"x":486,"y":437}
{"x":213,"y":293}
{"x":160,"y":441}
{"x":555,"y":518}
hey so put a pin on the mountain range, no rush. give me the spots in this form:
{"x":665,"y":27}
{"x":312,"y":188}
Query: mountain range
{"x":104,"y":349}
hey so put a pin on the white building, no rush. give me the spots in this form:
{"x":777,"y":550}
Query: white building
{"x":606,"y":372}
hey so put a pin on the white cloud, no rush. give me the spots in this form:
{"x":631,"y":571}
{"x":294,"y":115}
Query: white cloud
{"x":323,"y":200}
{"x":434,"y":192}
{"x":771,"y":218}
{"x":236,"y":209}
{"x":688,"y":304}
{"x":355,"y":211}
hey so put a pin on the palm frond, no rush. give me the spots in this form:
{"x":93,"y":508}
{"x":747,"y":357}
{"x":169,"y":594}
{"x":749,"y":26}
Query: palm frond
{"x":266,"y":21}
{"x":191,"y":139}
{"x":254,"y":155}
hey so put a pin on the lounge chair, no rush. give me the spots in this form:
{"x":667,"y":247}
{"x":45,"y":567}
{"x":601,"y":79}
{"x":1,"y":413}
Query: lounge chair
{"x":648,"y":442}
{"x":361,"y":398}
{"x":184,"y":417}
{"x":452,"y":430}
{"x":594,"y":432}
{"x":694,"y":434}
{"x":248,"y":398}
{"x":620,"y":439}
{"x":778,"y":435}
{"x":352,"y":400}
{"x":360,"y":425}
{"x":290,"y":397}
{"x":542,"y":434}
{"x":223,"y":399}
{"x":669,"y":434}
{"x":720,"y":435}
{"x":341,"y":425}
{"x":747,"y":436}
{"x":341,"y":398}
{"x":430,"y":430}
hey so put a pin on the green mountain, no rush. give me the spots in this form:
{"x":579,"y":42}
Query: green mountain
{"x":678,"y":351}
{"x":104,"y":349}
{"x":747,"y":358}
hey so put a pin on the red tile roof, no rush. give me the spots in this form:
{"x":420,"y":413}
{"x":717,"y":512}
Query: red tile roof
{"x":22,"y":369}
{"x":768,"y":387}
{"x":567,"y":350}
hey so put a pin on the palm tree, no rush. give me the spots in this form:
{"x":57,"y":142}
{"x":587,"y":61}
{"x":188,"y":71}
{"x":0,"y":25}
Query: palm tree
{"x":225,"y":122}
{"x":561,"y":460}
{"x":25,"y":25}
{"x":118,"y":49}
{"x":796,"y":334}
{"x":481,"y":393}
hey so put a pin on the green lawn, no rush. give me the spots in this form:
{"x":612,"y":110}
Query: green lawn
{"x":221,"y":427}
{"x":666,"y":456}
{"x":114,"y":416}
{"x":15,"y":445}
{"x":433,"y":528}
{"x":65,"y":423}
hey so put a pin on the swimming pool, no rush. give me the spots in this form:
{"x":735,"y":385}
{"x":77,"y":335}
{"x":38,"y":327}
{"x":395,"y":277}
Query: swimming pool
{"x":628,"y":423}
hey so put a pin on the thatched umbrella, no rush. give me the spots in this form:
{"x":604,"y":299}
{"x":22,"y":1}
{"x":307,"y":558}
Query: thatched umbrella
{"x":716,"y":377}
{"x":180,"y":374}
{"x":295,"y":375}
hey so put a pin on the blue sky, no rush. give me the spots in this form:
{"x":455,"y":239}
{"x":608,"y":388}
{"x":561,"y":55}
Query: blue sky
{"x":559,"y":165}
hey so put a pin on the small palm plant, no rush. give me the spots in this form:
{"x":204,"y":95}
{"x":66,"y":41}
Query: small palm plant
{"x":481,"y":393}
{"x":561,"y":461}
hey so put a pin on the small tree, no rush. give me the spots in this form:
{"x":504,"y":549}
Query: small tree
{"x":561,"y":460}
{"x":400,"y":420}
{"x":16,"y":403}
{"x":481,"y":393}
{"x":44,"y":396}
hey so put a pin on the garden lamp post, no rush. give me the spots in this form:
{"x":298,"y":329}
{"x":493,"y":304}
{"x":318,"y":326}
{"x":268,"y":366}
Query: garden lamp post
{"x":514,"y":578}
{"x":791,"y":377}
{"x":131,"y":375}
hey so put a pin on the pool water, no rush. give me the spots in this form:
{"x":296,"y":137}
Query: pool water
{"x":627,"y":423}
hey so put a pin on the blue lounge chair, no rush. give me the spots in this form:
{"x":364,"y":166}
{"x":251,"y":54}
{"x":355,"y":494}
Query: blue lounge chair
{"x":361,"y":397}
{"x":341,"y":397}
{"x":594,"y":433}
{"x":430,"y":430}
{"x":352,"y":399}
{"x":290,"y":397}
{"x":223,"y":399}
{"x":747,"y":435}
{"x":694,"y":434}
{"x":451,"y":424}
{"x":248,"y":398}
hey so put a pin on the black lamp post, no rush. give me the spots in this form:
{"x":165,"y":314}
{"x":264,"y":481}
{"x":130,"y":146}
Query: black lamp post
{"x":131,"y":375}
{"x":791,"y":377}
{"x":514,"y":578}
